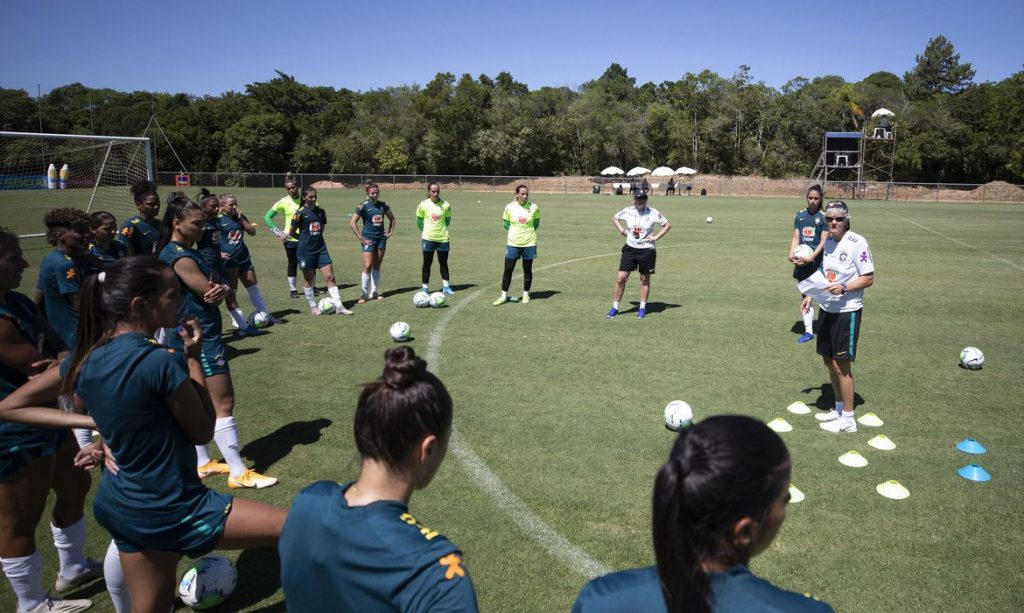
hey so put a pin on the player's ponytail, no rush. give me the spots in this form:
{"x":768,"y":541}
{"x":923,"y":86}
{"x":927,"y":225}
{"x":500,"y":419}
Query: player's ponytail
{"x":106,"y":300}
{"x":721,"y":470}
{"x":395,"y":412}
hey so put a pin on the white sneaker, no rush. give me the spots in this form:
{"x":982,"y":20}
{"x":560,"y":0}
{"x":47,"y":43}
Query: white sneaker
{"x":341,"y":310}
{"x":59,"y":606}
{"x":842,"y":424}
{"x":93,"y":570}
{"x":830,"y":416}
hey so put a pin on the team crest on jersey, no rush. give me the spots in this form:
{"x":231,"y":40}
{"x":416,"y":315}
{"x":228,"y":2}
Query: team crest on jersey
{"x":808,"y":232}
{"x":521,"y":219}
{"x":435,"y":217}
{"x":453,"y":566}
{"x":830,"y":275}
{"x":234,"y":236}
{"x":377,"y":220}
{"x":842,"y":257}
{"x":314,"y":228}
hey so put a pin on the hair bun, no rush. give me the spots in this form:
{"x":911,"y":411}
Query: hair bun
{"x":402,"y":367}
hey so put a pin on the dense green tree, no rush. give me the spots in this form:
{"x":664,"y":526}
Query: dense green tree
{"x":938,"y":70}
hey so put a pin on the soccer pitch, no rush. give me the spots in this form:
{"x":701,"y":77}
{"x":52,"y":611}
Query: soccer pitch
{"x":558,"y":410}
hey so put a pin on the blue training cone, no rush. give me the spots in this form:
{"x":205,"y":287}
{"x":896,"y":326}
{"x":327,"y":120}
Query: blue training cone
{"x":971,"y":446}
{"x":973,"y":472}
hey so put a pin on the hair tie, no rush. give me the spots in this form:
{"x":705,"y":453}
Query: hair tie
{"x":100,"y":278}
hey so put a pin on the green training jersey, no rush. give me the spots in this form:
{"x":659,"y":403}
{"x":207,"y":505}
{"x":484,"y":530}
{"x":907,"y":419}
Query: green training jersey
{"x":522,"y":223}
{"x":287,"y":207}
{"x":434,"y":219}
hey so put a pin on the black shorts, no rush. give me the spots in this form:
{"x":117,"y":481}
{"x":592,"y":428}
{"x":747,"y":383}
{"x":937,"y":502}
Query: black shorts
{"x":637,"y":259}
{"x":838,"y":334}
{"x":802,"y":272}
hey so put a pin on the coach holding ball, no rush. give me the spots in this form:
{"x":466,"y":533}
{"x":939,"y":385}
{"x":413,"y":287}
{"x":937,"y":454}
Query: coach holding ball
{"x":849,"y":270}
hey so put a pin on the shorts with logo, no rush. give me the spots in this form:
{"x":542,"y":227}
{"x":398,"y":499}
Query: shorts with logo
{"x":434,"y":246}
{"x":838,"y":334}
{"x":514,"y":253}
{"x":214,"y":360}
{"x":637,"y":259}
{"x":313,"y":261}
{"x":374,"y":245}
{"x":194,"y":536}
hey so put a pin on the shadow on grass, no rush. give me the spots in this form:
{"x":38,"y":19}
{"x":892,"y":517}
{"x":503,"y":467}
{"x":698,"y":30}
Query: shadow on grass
{"x":543,"y":294}
{"x":259,"y":578}
{"x":231,"y":352}
{"x":652,"y":307}
{"x":827,"y":399}
{"x":267,"y":450}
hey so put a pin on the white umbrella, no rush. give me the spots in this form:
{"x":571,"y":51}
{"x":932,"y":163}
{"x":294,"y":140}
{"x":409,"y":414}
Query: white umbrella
{"x":683,"y":170}
{"x":883,"y":113}
{"x":663,"y":171}
{"x":639,"y":170}
{"x":612,"y":170}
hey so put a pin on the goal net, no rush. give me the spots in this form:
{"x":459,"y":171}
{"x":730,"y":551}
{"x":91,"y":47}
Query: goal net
{"x":39,"y":172}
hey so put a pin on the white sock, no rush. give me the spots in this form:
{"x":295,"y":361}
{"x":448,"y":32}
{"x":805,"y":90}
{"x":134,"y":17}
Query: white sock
{"x":336,"y":297}
{"x":444,"y":283}
{"x":847,"y":414}
{"x":225,"y":434}
{"x":504,"y":295}
{"x":643,"y":304}
{"x":69,"y":542}
{"x":526,"y":294}
{"x":291,"y":284}
{"x":257,"y":298}
{"x":375,"y":280}
{"x":809,"y":320}
{"x":364,"y":280}
{"x":615,"y":305}
{"x":202,"y":455}
{"x":426,"y":288}
{"x":114,"y":577}
{"x":83,"y":436}
{"x":310,"y":297}
{"x":238,"y":317}
{"x":25,"y":575}
{"x":839,"y":406}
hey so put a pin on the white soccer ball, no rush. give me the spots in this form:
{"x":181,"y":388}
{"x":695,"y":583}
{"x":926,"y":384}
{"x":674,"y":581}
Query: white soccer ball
{"x":437,"y":300}
{"x":326,"y":306}
{"x":709,"y":220}
{"x":207,"y":582}
{"x":678,"y":415}
{"x":803,"y":251}
{"x":421,"y":299}
{"x":260,"y":319}
{"x":400,"y":331}
{"x":972,"y":358}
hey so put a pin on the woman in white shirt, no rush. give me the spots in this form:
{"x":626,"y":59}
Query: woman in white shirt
{"x":638,"y":252}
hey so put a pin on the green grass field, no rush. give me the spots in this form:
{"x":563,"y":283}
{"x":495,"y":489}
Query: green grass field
{"x":558,"y":410}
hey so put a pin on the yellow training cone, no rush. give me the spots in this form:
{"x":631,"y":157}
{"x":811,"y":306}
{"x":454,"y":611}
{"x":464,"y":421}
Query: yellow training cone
{"x":893,"y":489}
{"x":780,"y":425}
{"x":798,"y":408}
{"x":870,"y":420}
{"x":795,"y":495}
{"x":882,"y":442}
{"x":853,"y":460}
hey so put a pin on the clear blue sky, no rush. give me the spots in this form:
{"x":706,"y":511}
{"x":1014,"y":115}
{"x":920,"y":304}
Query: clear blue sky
{"x":213,"y":46}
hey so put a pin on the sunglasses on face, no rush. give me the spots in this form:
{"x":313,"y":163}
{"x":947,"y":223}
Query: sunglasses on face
{"x":836,"y":219}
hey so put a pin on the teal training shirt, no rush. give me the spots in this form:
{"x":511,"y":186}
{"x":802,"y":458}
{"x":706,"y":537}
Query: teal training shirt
{"x":368,"y":558}
{"x":232,"y":238}
{"x":139,"y":234}
{"x":736,"y":590}
{"x":206,"y":314}
{"x":310,"y":222}
{"x":108,"y":256}
{"x":208,"y":245}
{"x":373,"y":216}
{"x":60,"y":280}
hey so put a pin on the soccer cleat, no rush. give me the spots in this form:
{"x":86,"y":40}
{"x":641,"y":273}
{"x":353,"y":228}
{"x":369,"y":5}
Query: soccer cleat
{"x":93,"y":570}
{"x":806,"y":337}
{"x":294,"y":293}
{"x":58,"y":606}
{"x":500,"y":301}
{"x":641,"y":313}
{"x":829,"y":416}
{"x":250,"y":331}
{"x":447,"y":289}
{"x":612,"y":313}
{"x":843,"y":424}
{"x":525,"y":299}
{"x":252,"y":479}
{"x":341,"y":310}
{"x":211,"y":468}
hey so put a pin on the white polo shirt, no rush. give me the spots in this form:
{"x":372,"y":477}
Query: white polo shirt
{"x":640,"y":225}
{"x":843,"y":262}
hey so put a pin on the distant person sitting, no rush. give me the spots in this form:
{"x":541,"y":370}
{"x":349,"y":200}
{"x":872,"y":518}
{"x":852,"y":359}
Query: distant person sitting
{"x":670,"y":189}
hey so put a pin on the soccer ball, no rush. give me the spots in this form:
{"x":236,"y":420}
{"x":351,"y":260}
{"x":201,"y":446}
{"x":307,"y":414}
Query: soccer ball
{"x":709,"y":220}
{"x":437,"y":300}
{"x":207,"y":582}
{"x":678,"y":415}
{"x":400,"y":331}
{"x":803,"y":251}
{"x":421,"y":299}
{"x":260,"y":319}
{"x":972,"y":358}
{"x":326,"y":306}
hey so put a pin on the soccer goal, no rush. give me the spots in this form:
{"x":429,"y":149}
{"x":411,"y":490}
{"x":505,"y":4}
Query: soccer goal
{"x":39,"y":172}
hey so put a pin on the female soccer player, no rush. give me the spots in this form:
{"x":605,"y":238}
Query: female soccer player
{"x":103,"y":232}
{"x":356,"y":545}
{"x":308,"y":226}
{"x":184,"y":224}
{"x":287,"y":206}
{"x":63,"y":270}
{"x":807,"y":228}
{"x":140,"y":233}
{"x":433,"y":216}
{"x":849,"y":270}
{"x":35,"y":460}
{"x":151,"y":405}
{"x":373,"y":239}
{"x":237,"y":263}
{"x":638,"y":253}
{"x":521,"y":218}
{"x":719,"y":501}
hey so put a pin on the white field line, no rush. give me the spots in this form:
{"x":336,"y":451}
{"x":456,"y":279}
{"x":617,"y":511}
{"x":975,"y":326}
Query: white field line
{"x":957,"y":241}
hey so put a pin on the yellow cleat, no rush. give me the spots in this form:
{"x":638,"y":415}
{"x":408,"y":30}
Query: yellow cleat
{"x":251,"y":478}
{"x":500,"y":301}
{"x":213,"y":467}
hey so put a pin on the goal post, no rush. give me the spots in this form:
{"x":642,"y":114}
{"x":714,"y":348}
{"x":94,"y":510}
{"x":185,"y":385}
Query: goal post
{"x":40,"y":172}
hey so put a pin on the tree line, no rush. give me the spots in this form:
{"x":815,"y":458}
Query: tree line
{"x":948,"y":128}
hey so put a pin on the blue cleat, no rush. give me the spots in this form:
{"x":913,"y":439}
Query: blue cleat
{"x":806,"y":337}
{"x":448,"y":290}
{"x":612,"y":313}
{"x":641,"y":313}
{"x":250,"y":331}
